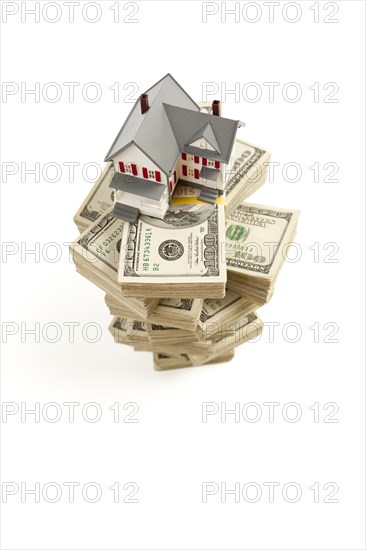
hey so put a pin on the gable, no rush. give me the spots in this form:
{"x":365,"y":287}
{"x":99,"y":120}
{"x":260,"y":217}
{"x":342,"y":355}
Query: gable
{"x":189,"y":126}
{"x":134,"y":155}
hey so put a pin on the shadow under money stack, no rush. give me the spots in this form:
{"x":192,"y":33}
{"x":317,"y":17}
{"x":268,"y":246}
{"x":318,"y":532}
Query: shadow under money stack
{"x":186,"y":288}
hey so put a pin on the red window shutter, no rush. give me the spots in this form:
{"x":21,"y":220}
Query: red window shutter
{"x":196,"y":159}
{"x":171,"y":185}
{"x":196,"y":174}
{"x":144,"y":173}
{"x":134,"y":169}
{"x":217,"y":164}
{"x":184,"y":170}
{"x":122,"y":166}
{"x":175,"y":176}
{"x":204,"y":162}
{"x":184,"y":156}
{"x":157,"y":175}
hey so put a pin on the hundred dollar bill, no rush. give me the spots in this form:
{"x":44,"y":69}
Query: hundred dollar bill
{"x":246,"y":328}
{"x":218,"y":317}
{"x":257,"y":240}
{"x":159,"y":334}
{"x":164,"y":362}
{"x":128,"y":331}
{"x":183,"y":254}
{"x":98,"y":201}
{"x":172,"y":312}
{"x":96,"y":254}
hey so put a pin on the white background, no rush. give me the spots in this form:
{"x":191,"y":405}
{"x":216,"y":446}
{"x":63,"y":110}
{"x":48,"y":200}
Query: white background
{"x":170,"y":452}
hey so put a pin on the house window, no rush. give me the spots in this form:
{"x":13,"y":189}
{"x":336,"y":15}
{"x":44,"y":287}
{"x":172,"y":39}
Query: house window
{"x":152,"y":174}
{"x":190,"y":172}
{"x":131,"y":168}
{"x":190,"y":158}
{"x":211,"y":162}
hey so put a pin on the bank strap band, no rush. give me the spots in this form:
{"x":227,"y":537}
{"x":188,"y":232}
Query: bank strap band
{"x":195,"y":200}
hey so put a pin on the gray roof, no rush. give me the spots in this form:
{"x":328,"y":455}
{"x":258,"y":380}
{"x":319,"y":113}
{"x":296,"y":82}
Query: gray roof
{"x":187,"y":124}
{"x":151,"y":131}
{"x":137,"y":186}
{"x":172,"y":122}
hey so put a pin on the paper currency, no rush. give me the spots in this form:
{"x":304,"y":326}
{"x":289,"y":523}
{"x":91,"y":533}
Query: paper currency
{"x":183,"y":254}
{"x":164,"y":362}
{"x":257,"y":240}
{"x":218,"y":317}
{"x":96,"y":255}
{"x":128,"y":331}
{"x":141,"y":337}
{"x":172,"y":312}
{"x":98,"y":201}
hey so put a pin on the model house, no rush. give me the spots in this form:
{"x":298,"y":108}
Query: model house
{"x":165,"y":139}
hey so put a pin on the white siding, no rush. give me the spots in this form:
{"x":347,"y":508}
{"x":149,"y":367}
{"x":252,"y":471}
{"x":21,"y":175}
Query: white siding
{"x":133,"y":154}
{"x":191,"y":166}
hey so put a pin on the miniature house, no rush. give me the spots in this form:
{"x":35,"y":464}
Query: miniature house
{"x":166,"y":139}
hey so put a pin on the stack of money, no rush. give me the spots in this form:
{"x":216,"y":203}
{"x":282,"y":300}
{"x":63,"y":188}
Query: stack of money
{"x":196,"y":309}
{"x":257,"y":241}
{"x":171,"y":350}
{"x":96,"y":254}
{"x":181,"y":255}
{"x":223,"y":324}
{"x":172,"y":312}
{"x":163,"y":361}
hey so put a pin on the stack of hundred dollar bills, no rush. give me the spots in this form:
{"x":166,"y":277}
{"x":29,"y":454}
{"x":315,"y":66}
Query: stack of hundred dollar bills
{"x":187,"y":288}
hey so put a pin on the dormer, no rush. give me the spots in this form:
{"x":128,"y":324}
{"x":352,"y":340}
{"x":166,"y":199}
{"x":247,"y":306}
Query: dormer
{"x":204,"y":139}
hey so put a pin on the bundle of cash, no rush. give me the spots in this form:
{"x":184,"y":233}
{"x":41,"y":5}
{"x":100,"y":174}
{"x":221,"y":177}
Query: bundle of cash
{"x":257,"y":241}
{"x":196,"y":309}
{"x":141,"y":337}
{"x":172,"y":312}
{"x":217,"y":319}
{"x":181,"y":255}
{"x":96,"y":254}
{"x":163,"y":361}
{"x":98,"y":200}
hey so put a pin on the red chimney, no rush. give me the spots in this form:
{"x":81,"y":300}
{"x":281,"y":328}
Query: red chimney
{"x":144,"y":103}
{"x":216,"y":107}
